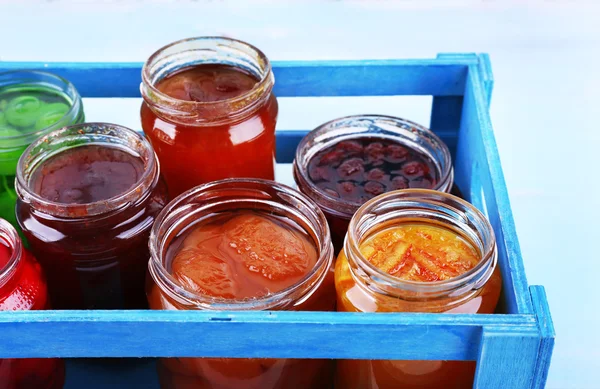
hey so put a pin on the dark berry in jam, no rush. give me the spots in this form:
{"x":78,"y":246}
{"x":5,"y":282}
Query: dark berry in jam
{"x":361,"y":169}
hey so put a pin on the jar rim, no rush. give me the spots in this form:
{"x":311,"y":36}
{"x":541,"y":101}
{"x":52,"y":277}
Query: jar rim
{"x":28,"y":163}
{"x":74,"y":107}
{"x":480,"y":273}
{"x":262,"y":86}
{"x":9,"y":234}
{"x":346,"y":207}
{"x":157,"y":242}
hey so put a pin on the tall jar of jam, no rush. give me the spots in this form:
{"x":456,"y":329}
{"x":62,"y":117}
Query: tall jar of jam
{"x":88,"y":195}
{"x":348,"y":161}
{"x":242,"y":244}
{"x":32,"y":103}
{"x":415,"y":250}
{"x":209,"y":111}
{"x":23,"y":287}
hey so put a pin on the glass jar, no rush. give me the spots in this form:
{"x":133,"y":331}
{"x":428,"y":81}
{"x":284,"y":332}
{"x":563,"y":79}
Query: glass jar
{"x":212,"y":140}
{"x":314,"y":292}
{"x":23,"y":287}
{"x":362,"y":287}
{"x":416,"y":138}
{"x":94,"y":254}
{"x":38,"y":86}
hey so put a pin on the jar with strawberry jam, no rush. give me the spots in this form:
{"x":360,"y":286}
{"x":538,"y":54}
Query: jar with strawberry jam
{"x":209,"y":111}
{"x":23,"y":287}
{"x":416,"y":250}
{"x":238,"y":245}
{"x":88,"y":196}
{"x":348,"y":161}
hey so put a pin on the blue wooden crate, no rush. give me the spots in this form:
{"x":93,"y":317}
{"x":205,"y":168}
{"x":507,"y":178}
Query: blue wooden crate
{"x":512,"y":348}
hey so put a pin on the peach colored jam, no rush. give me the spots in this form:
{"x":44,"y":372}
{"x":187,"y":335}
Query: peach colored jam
{"x":419,"y":252}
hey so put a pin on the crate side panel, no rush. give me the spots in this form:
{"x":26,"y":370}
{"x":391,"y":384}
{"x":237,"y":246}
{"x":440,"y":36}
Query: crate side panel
{"x":546,"y":327}
{"x":258,"y":334}
{"x":114,"y":373}
{"x":293,"y":78}
{"x":478,"y":170}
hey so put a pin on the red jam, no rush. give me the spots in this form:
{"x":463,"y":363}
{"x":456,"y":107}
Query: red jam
{"x":358,"y":170}
{"x":87,"y":174}
{"x":25,"y":289}
{"x":240,"y":146}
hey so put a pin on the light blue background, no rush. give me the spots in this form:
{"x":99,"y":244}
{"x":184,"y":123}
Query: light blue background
{"x":544,"y":108}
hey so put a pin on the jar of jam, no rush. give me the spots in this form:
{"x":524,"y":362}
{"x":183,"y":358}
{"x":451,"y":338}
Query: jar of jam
{"x":209,"y":111}
{"x":32,"y":104}
{"x":238,"y":245}
{"x":88,"y":195}
{"x":415,"y":250}
{"x":345,"y":162}
{"x":23,"y":287}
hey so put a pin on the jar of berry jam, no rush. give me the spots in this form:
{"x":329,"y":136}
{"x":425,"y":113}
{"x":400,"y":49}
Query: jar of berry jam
{"x":209,"y":111}
{"x":88,"y":195}
{"x":345,"y":162}
{"x":23,"y":287}
{"x":32,"y":103}
{"x":415,"y":250}
{"x":237,"y":245}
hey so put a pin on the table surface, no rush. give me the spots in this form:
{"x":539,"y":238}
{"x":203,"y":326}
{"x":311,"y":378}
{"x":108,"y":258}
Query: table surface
{"x":545,"y":60}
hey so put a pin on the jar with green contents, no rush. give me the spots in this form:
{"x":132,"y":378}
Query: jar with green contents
{"x":32,"y":103}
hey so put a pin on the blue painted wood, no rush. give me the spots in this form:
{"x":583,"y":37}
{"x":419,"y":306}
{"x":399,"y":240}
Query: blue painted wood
{"x":293,"y":78}
{"x":546,"y":327}
{"x":257,"y":334}
{"x":116,"y":373}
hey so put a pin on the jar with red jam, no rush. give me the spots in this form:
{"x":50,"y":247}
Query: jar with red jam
{"x":415,"y":250}
{"x":209,"y":111}
{"x":22,"y":288}
{"x":88,"y":196}
{"x":238,"y":245}
{"x":348,"y":161}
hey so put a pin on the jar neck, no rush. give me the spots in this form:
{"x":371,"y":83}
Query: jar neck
{"x":237,"y":195}
{"x":206,"y":50}
{"x":25,"y":80}
{"x":405,"y":132}
{"x":426,"y":207}
{"x":9,"y":237}
{"x":87,"y":134}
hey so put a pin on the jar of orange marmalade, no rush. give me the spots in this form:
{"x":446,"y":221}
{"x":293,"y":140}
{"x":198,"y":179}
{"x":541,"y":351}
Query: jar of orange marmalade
{"x":415,"y":250}
{"x":238,"y":245}
{"x":209,"y":111}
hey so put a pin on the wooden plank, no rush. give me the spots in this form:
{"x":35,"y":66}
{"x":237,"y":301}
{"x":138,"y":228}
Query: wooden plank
{"x":248,"y":334}
{"x":546,"y":327}
{"x":440,"y":77}
{"x":507,"y":358}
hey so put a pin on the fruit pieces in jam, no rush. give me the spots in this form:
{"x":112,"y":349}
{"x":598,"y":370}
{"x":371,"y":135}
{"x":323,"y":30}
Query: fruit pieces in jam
{"x":87,"y":174}
{"x":419,"y":252}
{"x":358,"y":170}
{"x":190,"y":154}
{"x":26,"y":290}
{"x":240,"y":256}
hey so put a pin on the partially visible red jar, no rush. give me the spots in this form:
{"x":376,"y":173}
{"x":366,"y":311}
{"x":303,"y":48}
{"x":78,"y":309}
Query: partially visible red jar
{"x":23,"y":287}
{"x":410,"y":136}
{"x":208,"y":138}
{"x":94,"y":254}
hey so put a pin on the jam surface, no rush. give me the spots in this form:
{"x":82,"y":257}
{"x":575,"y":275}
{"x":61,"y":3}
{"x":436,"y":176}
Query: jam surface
{"x":242,"y":255}
{"x":419,"y":252}
{"x":87,"y":174}
{"x":358,"y":170}
{"x":207,"y":83}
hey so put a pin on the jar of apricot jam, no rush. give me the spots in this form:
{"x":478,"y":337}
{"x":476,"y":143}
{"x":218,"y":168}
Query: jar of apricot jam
{"x":348,"y":161}
{"x":209,"y":111}
{"x":88,"y":195}
{"x":237,"y":245}
{"x":23,"y":287}
{"x":32,"y":103}
{"x":415,"y":250}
